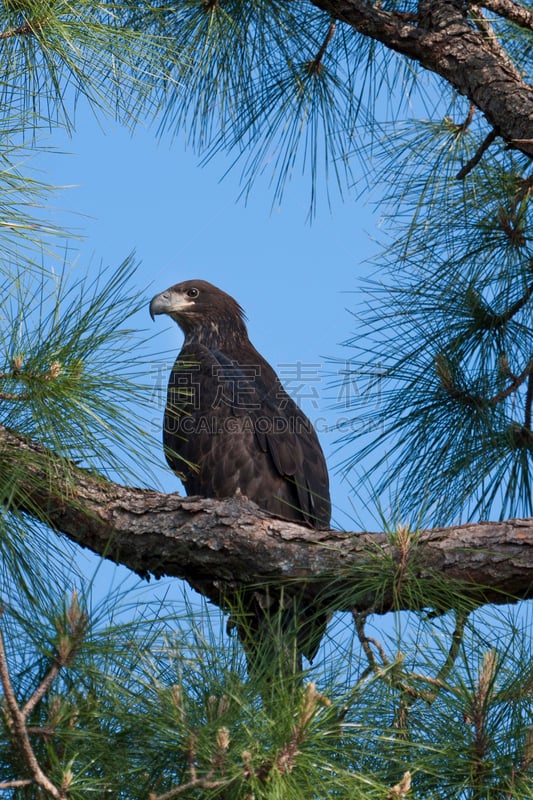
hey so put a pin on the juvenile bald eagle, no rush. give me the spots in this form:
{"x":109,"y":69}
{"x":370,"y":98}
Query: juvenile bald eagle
{"x":230,"y":427}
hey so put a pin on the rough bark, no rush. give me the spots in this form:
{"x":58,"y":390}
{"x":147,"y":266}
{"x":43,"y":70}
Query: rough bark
{"x":466,"y":54}
{"x":218,"y":545}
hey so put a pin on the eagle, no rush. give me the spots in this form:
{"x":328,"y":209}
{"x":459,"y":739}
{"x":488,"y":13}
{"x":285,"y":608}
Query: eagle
{"x":229,"y":427}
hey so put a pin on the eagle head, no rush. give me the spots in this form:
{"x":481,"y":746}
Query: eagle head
{"x":199,"y":307}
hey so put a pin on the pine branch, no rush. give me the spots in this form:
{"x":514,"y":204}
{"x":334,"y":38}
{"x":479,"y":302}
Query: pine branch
{"x":517,"y":381}
{"x":17,"y":719}
{"x":315,"y":65}
{"x":26,"y":29}
{"x":484,"y":26}
{"x":514,"y":12}
{"x":205,"y":784}
{"x":16,"y":784}
{"x":529,"y":402}
{"x":69,"y":642}
{"x":478,"y":155}
{"x":359,"y":619}
{"x":443,"y":41}
{"x":17,"y":374}
{"x":220,"y":545}
{"x":394,"y":674}
{"x":453,"y":652}
{"x":462,"y":127}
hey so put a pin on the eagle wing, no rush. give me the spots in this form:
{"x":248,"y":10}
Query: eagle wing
{"x":230,"y":428}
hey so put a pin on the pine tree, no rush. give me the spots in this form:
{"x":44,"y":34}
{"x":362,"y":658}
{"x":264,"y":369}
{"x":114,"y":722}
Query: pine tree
{"x":423,"y":685}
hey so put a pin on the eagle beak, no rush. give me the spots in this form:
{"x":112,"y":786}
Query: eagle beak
{"x":160,"y":304}
{"x":169,"y":302}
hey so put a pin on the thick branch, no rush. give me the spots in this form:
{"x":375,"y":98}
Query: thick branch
{"x":443,"y":41}
{"x":222,"y":544}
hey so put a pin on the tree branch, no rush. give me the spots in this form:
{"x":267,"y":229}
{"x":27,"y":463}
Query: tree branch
{"x":514,"y":12}
{"x":478,"y":155}
{"x":221,"y":545}
{"x":18,"y":724}
{"x":315,"y":65}
{"x":516,"y":382}
{"x":443,"y":41}
{"x":16,"y":784}
{"x":26,"y":29}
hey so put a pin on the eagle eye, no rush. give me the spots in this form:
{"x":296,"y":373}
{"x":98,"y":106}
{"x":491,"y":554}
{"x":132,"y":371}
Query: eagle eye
{"x":192,"y":292}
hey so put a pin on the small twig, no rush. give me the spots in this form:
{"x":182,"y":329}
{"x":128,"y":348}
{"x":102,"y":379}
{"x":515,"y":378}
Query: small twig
{"x":18,"y":723}
{"x":526,"y":187}
{"x":477,"y":717}
{"x":410,"y":694}
{"x":285,"y":759}
{"x":359,"y":619}
{"x":401,"y":682}
{"x":67,"y":648}
{"x":46,"y":731}
{"x":11,"y":396}
{"x":218,"y":761}
{"x":505,"y":368}
{"x":513,"y":386}
{"x":314,"y":66}
{"x":462,"y":127}
{"x":42,"y":689}
{"x":529,"y":402}
{"x":453,"y":652}
{"x":478,"y":155}
{"x":403,"y":540}
{"x":4,"y":785}
{"x":401,"y":715}
{"x":196,"y":783}
{"x":26,"y":29}
{"x":490,"y":320}
{"x":501,"y":319}
{"x":437,"y":682}
{"x":527,"y":756}
{"x":449,"y":385}
{"x":191,"y":756}
{"x":469,"y":117}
